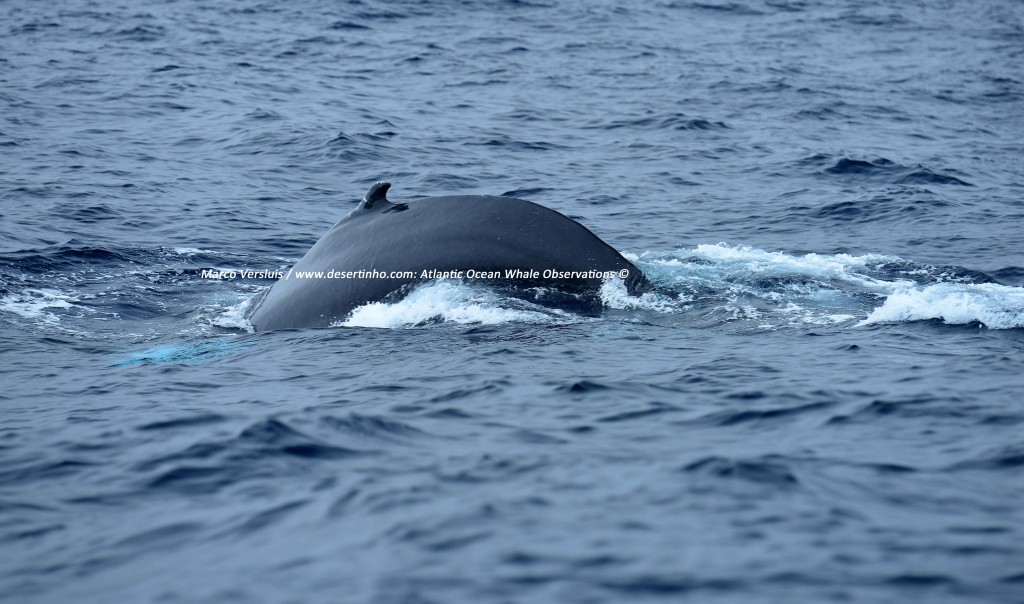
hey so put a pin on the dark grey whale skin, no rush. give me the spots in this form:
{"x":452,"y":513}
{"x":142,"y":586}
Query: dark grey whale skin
{"x":462,"y":232}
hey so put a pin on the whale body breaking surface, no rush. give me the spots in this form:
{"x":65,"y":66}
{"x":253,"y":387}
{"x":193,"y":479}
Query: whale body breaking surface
{"x":383,"y":249}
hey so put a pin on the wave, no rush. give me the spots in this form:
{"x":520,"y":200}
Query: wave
{"x":882,"y":169}
{"x":990,"y":304}
{"x":666,"y":121}
{"x":265,"y":449}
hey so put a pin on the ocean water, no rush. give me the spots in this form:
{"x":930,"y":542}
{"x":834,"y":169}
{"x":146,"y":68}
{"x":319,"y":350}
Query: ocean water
{"x":821,"y":402}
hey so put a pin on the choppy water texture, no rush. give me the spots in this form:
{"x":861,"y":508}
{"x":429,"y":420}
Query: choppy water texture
{"x":822,"y":402}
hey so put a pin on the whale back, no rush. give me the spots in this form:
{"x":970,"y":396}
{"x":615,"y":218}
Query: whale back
{"x":451,"y":233}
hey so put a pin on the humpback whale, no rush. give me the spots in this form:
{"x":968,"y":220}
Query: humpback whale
{"x":381,"y":250}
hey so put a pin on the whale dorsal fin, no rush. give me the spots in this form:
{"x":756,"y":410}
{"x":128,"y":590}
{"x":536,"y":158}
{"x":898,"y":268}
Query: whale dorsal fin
{"x":377,"y":193}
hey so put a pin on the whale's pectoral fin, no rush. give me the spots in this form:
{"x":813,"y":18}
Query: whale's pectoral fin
{"x":377,"y":193}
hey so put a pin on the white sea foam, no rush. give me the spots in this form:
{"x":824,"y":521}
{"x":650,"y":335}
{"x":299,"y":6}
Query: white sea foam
{"x":744,"y":283}
{"x":822,"y":289}
{"x":189,"y":251}
{"x":614,"y":295}
{"x":993,"y":305}
{"x":233,"y":317}
{"x":741,"y":283}
{"x":722,"y":262}
{"x":451,"y":302}
{"x":35,"y":303}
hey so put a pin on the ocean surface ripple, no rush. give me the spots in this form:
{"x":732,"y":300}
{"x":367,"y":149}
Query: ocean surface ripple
{"x":819,"y":403}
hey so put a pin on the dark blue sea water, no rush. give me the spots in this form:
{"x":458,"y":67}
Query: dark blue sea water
{"x":821,"y":403}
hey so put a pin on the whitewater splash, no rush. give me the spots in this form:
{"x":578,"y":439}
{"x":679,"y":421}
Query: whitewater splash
{"x":453,"y":302}
{"x":990,"y":304}
{"x":723,"y":284}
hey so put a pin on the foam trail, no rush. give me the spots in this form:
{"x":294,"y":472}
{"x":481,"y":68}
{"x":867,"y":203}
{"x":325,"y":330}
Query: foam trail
{"x":993,"y":305}
{"x":739,"y":283}
{"x":744,"y":283}
{"x":721,"y":262}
